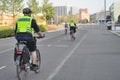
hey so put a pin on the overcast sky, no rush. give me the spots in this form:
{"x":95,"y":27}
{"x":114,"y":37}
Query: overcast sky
{"x":92,"y":5}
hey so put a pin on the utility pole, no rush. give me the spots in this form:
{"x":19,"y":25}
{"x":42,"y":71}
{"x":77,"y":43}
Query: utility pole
{"x":65,"y":4}
{"x":105,"y":10}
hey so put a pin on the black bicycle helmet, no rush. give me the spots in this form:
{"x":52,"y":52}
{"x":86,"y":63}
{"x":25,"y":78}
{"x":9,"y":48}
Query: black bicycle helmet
{"x":27,"y":11}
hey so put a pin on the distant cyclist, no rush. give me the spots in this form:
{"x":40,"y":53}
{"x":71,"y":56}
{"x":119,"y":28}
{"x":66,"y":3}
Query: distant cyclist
{"x":25,"y":28}
{"x":73,"y":27}
{"x":66,"y":27}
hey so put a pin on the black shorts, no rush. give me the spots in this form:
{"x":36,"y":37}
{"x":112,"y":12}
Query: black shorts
{"x":73,"y":28}
{"x":31,"y":44}
{"x":24,"y":36}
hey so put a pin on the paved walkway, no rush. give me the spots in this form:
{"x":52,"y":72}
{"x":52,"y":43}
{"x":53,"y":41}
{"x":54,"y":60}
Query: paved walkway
{"x":116,"y":32}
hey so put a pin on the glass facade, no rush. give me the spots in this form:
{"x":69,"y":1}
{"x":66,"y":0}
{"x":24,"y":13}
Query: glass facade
{"x":61,"y":11}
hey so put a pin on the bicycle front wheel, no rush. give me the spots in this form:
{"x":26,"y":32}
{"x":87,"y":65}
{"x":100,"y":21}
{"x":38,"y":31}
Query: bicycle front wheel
{"x":38,"y":60}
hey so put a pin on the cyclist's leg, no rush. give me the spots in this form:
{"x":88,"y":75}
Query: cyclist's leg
{"x":74,"y":33}
{"x":38,"y":60}
{"x":71,"y":30}
{"x":65,"y":30}
{"x":35,"y":65}
{"x":32,"y":48}
{"x":34,"y":57}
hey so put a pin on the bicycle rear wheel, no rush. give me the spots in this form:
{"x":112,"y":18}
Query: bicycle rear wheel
{"x":22,"y":73}
{"x":72,"y":35}
{"x":65,"y":31}
{"x":38,"y":60}
{"x":22,"y":69}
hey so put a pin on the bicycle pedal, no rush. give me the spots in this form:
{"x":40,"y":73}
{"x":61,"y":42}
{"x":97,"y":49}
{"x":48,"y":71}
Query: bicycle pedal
{"x":27,"y":66}
{"x":37,"y":71}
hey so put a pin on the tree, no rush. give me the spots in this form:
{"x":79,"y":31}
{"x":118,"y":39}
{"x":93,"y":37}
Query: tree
{"x":63,"y":19}
{"x":72,"y":18}
{"x":34,"y":6}
{"x":3,"y":6}
{"x":15,"y":7}
{"x":118,"y":19}
{"x":48,"y":10}
{"x":92,"y":19}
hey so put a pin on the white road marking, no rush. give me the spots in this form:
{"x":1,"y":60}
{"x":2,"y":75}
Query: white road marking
{"x":49,"y":45}
{"x":6,"y":50}
{"x":1,"y":52}
{"x":63,"y":62}
{"x":40,"y":45}
{"x":61,"y":46}
{"x":59,"y":40}
{"x":3,"y":67}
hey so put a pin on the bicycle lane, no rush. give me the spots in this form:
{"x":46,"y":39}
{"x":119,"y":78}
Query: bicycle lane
{"x":55,"y":52}
{"x":7,"y":66}
{"x":8,"y":44}
{"x":97,"y":58}
{"x":6,"y":49}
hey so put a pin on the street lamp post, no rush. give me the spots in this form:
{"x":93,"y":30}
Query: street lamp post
{"x":105,"y":10}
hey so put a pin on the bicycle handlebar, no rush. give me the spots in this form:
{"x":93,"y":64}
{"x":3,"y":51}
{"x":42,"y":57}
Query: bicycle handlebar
{"x":40,"y":36}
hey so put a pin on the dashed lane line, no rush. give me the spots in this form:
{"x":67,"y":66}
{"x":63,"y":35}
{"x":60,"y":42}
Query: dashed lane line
{"x":57,"y":69}
{"x":3,"y":67}
{"x":1,"y":52}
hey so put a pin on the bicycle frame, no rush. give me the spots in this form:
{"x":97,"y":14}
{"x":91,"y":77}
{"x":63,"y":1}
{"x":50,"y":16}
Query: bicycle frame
{"x":18,"y":52}
{"x":21,"y":66}
{"x":72,"y":35}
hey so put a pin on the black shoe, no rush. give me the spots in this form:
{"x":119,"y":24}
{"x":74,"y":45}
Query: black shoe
{"x":34,"y":67}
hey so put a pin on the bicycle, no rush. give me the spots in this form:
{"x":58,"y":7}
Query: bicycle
{"x":72,"y":35}
{"x":22,"y":68}
{"x":65,"y":31}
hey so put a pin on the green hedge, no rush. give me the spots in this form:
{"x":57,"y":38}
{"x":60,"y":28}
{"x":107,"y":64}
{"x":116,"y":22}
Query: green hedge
{"x":6,"y":33}
{"x":10,"y":32}
{"x":43,"y":28}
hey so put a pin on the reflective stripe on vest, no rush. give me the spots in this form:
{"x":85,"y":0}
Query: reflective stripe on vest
{"x":24,"y":25}
{"x":72,"y":24}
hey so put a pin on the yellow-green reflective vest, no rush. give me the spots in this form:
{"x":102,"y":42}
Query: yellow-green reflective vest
{"x":72,"y":24}
{"x":24,"y":25}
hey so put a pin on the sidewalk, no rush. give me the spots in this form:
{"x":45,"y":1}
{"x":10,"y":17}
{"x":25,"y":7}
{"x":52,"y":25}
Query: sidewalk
{"x":116,"y":32}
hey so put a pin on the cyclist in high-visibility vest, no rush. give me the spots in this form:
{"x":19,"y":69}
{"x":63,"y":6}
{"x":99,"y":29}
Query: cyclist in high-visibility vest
{"x":73,"y":27}
{"x":25,"y":28}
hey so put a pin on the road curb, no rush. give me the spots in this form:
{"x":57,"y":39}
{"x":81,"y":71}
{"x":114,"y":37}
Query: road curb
{"x":115,"y":32}
{"x":55,"y":30}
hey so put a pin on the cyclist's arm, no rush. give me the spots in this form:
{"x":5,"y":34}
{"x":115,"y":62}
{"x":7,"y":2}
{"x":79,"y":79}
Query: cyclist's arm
{"x":69,"y":25}
{"x":36,"y":28}
{"x":75,"y":25}
{"x":15,"y":28}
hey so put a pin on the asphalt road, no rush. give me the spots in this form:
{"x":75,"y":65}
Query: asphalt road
{"x":94,"y":55}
